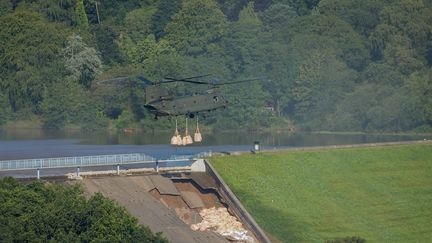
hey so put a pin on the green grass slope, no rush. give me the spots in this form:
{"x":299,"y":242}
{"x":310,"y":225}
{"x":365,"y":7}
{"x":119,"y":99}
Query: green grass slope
{"x":382,"y":194}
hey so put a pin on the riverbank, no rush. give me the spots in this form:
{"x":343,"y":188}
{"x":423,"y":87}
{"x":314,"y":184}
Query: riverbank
{"x":169,"y":125}
{"x":379,"y":193}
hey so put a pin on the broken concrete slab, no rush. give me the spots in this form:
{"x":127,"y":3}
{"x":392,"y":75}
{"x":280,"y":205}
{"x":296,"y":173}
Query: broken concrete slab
{"x":164,"y":185}
{"x":192,"y":199}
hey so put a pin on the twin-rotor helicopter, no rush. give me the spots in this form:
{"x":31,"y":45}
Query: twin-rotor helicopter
{"x":161,"y":102}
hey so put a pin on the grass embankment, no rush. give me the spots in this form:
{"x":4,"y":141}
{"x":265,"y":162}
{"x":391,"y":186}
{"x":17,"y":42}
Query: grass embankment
{"x":382,"y":194}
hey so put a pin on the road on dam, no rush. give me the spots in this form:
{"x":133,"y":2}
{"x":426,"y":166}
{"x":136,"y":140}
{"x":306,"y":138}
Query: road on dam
{"x":31,"y":149}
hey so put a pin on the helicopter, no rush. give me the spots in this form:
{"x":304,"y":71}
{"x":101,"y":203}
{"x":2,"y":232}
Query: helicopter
{"x":161,"y":102}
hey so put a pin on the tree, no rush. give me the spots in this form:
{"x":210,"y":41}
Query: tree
{"x":406,"y":22}
{"x":277,"y":17}
{"x":81,"y":61}
{"x":29,"y":57}
{"x":165,"y":10}
{"x":196,"y":28}
{"x":232,"y":8}
{"x":5,"y":7}
{"x":382,"y":73}
{"x":59,"y":11}
{"x":363,"y":16}
{"x":354,"y":51}
{"x":138,"y":22}
{"x":153,"y":58}
{"x":420,"y":87}
{"x":66,"y":103}
{"x":40,"y":212}
{"x":303,"y":7}
{"x":321,"y":79}
{"x":82,"y":20}
{"x":107,"y":44}
{"x":5,"y":109}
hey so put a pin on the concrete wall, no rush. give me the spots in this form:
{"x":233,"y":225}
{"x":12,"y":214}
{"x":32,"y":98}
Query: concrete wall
{"x":236,"y":206}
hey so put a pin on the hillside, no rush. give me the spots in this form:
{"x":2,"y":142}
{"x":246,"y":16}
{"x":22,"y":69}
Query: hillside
{"x":341,"y":65}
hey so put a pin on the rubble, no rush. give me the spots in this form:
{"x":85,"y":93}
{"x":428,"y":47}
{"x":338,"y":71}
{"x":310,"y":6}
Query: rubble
{"x":223,"y":223}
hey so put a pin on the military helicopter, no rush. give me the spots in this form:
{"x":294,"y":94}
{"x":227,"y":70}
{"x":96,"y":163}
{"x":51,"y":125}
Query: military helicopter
{"x":161,"y":102}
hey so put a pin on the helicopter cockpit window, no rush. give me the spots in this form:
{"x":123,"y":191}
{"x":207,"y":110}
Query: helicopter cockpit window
{"x":215,"y":99}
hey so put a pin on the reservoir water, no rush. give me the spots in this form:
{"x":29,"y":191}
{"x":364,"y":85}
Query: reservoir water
{"x":36,"y":143}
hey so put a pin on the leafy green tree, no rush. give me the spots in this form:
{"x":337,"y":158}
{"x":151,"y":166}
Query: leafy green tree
{"x":363,"y":16}
{"x":82,"y":20}
{"x":138,"y":22}
{"x":155,"y":59}
{"x":420,"y":87}
{"x":400,"y":54}
{"x":406,"y":24}
{"x":113,"y":11}
{"x":163,"y":15}
{"x":107,"y":44}
{"x":354,"y":51}
{"x":55,"y":11}
{"x":5,"y":7}
{"x":65,"y":103}
{"x":196,"y":28}
{"x":29,"y":57}
{"x":232,"y":8}
{"x":382,"y":73}
{"x":321,"y":79}
{"x":302,"y":7}
{"x":5,"y":109}
{"x":277,"y":17}
{"x":81,"y":61}
{"x":38,"y":212}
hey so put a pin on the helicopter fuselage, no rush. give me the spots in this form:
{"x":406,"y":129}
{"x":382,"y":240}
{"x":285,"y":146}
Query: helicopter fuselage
{"x":186,"y":105}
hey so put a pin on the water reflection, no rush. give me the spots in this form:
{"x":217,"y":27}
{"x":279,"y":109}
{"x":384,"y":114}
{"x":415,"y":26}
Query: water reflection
{"x":219,"y":138}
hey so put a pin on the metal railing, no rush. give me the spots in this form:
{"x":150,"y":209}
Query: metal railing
{"x":97,"y":160}
{"x":117,"y":159}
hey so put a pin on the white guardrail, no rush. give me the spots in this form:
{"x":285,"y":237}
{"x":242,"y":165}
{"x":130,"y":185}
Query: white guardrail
{"x":97,"y":160}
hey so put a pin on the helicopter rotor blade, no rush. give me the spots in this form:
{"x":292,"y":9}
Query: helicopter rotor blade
{"x":171,"y":80}
{"x":112,"y":80}
{"x":184,"y":81}
{"x":142,"y":80}
{"x":188,"y":78}
{"x":145,"y":80}
{"x":239,"y":81}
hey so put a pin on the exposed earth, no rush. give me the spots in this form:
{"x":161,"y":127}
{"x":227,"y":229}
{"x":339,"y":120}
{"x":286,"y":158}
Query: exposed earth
{"x":175,"y":206}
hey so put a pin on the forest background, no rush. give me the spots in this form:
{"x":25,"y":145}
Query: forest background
{"x":336,"y":65}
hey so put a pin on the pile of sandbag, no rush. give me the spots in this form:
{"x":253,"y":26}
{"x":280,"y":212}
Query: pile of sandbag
{"x":220,"y":221}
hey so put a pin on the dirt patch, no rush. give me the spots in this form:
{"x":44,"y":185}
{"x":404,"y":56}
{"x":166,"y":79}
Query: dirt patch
{"x":170,"y":201}
{"x":132,"y":193}
{"x":209,"y":198}
{"x":213,"y":215}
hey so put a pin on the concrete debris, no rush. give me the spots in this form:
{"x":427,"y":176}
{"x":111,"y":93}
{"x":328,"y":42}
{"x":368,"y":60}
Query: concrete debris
{"x":223,"y":223}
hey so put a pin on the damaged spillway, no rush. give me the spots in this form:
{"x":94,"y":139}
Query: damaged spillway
{"x":186,"y":207}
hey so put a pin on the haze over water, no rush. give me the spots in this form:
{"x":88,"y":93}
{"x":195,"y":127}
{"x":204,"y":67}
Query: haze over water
{"x":35,"y":143}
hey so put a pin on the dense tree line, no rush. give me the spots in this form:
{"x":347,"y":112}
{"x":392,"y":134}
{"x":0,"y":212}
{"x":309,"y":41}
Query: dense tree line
{"x":38,"y":212}
{"x":340,"y":65}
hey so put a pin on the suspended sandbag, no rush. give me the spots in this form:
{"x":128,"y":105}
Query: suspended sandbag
{"x":179,"y":140}
{"x":187,"y":139}
{"x":197,"y":135}
{"x":176,"y":138}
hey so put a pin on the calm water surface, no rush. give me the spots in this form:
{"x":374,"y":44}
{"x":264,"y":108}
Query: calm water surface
{"x":35,"y":143}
